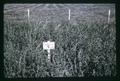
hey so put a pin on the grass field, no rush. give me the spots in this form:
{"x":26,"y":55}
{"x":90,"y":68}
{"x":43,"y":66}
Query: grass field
{"x":84,"y":46}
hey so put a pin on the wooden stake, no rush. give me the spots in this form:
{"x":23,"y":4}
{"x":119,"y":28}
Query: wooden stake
{"x":28,"y":14}
{"x":69,"y":14}
{"x":108,"y":16}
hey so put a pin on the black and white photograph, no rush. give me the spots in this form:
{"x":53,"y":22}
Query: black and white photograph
{"x":59,"y":40}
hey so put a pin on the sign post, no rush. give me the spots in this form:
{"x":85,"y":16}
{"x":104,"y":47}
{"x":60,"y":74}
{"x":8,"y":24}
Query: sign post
{"x":48,"y":46}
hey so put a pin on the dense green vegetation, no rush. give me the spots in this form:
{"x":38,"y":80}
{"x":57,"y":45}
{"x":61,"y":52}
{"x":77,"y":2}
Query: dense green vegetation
{"x":81,"y":50}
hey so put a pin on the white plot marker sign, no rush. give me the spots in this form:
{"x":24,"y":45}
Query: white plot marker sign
{"x":69,"y":14}
{"x":109,"y":16}
{"x":48,"y":46}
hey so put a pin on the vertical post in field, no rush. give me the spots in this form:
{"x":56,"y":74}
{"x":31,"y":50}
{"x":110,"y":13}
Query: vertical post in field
{"x":28,"y":13}
{"x":69,"y":14}
{"x":109,"y":16}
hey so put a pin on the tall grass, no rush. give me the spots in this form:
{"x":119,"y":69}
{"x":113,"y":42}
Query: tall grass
{"x":80,"y":50}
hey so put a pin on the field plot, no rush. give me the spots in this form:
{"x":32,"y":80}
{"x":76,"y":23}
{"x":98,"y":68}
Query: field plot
{"x":84,"y":40}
